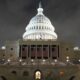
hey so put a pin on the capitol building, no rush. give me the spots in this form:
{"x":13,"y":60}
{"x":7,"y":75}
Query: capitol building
{"x":39,"y":55}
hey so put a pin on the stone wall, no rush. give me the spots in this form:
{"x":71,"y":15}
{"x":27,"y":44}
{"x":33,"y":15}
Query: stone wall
{"x":48,"y":72}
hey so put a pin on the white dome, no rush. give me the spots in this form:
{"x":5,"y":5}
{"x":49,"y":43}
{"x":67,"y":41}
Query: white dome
{"x":40,"y":27}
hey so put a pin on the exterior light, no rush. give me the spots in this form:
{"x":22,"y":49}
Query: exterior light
{"x":55,"y":60}
{"x":67,"y":60}
{"x":44,"y":60}
{"x":3,"y":47}
{"x":9,"y":60}
{"x":20,"y":60}
{"x":76,"y":48}
{"x":32,"y":60}
{"x":61,"y":73}
{"x":67,"y":57}
{"x":79,"y":60}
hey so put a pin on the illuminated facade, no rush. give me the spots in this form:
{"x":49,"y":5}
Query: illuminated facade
{"x":39,"y":56}
{"x":40,"y":27}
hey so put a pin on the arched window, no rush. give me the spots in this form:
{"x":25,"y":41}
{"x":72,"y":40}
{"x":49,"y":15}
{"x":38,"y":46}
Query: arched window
{"x":14,"y":72}
{"x":25,"y":73}
{"x":37,"y":75}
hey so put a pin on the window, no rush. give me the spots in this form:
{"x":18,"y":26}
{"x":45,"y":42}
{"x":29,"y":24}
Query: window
{"x":3,"y":55}
{"x":53,"y":45}
{"x":33,"y":45}
{"x":67,"y":49}
{"x":23,"y":49}
{"x":14,"y":72}
{"x":25,"y":73}
{"x":38,"y":49}
{"x":45,"y":45}
{"x":53,"y":49}
{"x":11,"y":48}
{"x":39,"y":45}
{"x":44,"y":49}
{"x":54,"y":57}
{"x":11,"y":55}
{"x":32,"y":49}
{"x":24,"y":45}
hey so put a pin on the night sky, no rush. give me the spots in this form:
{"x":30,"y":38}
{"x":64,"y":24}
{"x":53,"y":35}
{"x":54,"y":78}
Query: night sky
{"x":16,"y":14}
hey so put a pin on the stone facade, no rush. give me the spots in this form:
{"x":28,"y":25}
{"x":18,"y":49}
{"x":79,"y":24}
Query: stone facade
{"x":14,"y":67}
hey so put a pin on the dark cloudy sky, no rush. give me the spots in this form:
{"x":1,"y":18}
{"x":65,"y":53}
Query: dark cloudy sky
{"x":16,"y":14}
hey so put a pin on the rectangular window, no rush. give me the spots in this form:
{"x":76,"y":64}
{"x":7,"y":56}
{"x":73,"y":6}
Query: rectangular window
{"x":45,"y":51}
{"x":33,"y":52}
{"x":39,"y":51}
{"x":54,"y":51}
{"x":23,"y":52}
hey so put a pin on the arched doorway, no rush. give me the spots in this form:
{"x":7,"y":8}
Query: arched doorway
{"x":2,"y":78}
{"x":72,"y":78}
{"x":38,"y":75}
